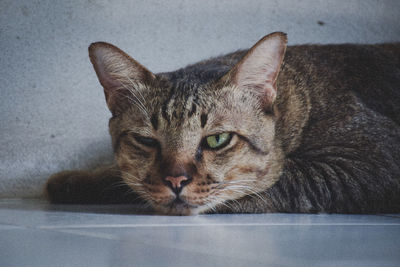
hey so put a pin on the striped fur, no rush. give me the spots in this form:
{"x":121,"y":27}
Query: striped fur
{"x":329,"y":142}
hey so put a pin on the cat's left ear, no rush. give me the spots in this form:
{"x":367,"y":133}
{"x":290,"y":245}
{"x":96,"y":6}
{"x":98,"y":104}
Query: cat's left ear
{"x":259,"y":68}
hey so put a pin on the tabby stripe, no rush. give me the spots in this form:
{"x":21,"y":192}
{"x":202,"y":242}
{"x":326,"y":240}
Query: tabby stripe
{"x":195,"y":96}
{"x":359,"y":186}
{"x":292,"y":192}
{"x":117,"y":143}
{"x":192,"y":110}
{"x":293,"y":196}
{"x":298,"y":188}
{"x":184,"y":107}
{"x":165,"y":106}
{"x":307,"y":188}
{"x":344,"y":189}
{"x":280,"y":195}
{"x":305,"y":184}
{"x":316,"y":184}
{"x":332,"y":188}
{"x":324,"y":190}
{"x":199,"y":154}
{"x":154,"y":121}
{"x":203,"y":119}
{"x":137,"y":150}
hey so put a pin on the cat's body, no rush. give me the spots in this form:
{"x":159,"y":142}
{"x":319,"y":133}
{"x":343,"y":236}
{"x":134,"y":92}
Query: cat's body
{"x":322,"y":136}
{"x":342,"y":143}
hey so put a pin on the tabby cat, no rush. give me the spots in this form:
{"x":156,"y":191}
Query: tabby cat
{"x":310,"y":128}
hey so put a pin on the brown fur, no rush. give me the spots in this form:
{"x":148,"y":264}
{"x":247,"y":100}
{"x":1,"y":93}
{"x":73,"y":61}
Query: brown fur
{"x":321,"y":135}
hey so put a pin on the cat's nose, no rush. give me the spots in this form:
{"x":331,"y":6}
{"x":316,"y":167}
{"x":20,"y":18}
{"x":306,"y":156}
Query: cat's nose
{"x":177,"y":183}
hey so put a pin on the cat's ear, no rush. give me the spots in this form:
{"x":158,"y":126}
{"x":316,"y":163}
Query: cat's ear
{"x":118,"y":73}
{"x":259,"y":68}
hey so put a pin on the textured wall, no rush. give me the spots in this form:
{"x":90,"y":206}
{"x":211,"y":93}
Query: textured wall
{"x":52,"y":111}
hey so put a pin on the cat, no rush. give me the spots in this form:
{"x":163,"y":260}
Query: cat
{"x":305,"y":129}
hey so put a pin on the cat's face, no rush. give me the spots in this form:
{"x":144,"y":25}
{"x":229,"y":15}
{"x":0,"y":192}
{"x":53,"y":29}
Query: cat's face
{"x":222,"y":145}
{"x":190,"y":148}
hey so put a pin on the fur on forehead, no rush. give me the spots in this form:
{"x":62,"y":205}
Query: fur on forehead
{"x":233,"y":103}
{"x":233,"y":97}
{"x":146,"y":101}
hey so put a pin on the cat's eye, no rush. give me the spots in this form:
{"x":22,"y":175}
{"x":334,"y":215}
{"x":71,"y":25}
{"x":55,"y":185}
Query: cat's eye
{"x":218,"y":140}
{"x":147,"y":141}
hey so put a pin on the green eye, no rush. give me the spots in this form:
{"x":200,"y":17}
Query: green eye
{"x":218,"y":140}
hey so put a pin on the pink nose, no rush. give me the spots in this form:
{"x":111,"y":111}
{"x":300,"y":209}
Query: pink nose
{"x":176,"y":181}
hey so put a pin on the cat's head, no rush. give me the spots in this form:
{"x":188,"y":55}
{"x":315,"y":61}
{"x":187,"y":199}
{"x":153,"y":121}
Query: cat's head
{"x":185,"y":145}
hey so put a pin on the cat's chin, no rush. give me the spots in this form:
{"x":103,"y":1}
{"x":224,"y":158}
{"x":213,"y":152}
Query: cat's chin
{"x":179,"y":208}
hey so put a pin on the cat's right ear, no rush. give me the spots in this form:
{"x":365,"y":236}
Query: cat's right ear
{"x":118,"y":73}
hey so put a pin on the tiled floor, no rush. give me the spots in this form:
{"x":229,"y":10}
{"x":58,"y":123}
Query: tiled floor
{"x":34,"y":233}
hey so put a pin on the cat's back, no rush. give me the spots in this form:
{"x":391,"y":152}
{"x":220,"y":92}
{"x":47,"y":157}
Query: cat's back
{"x":349,"y":94}
{"x":327,"y":72}
{"x":350,"y":136}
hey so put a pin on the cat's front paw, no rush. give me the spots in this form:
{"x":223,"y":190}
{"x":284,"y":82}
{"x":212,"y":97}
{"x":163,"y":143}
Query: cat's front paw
{"x":67,"y":187}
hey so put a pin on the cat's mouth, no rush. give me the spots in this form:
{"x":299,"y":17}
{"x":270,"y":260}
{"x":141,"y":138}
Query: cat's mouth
{"x":178,"y":201}
{"x":179,"y":207}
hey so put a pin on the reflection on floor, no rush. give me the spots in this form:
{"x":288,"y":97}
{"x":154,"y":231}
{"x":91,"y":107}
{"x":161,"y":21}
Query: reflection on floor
{"x":35,"y":233}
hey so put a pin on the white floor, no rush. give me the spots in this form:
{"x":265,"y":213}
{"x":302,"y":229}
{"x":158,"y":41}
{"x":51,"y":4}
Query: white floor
{"x":35,"y":233}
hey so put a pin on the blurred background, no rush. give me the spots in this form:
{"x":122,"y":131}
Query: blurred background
{"x":52,"y":110}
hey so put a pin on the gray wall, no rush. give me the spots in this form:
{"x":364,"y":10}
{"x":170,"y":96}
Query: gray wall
{"x":52,"y":111}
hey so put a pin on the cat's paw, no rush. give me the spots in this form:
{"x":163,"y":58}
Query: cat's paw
{"x":67,"y":187}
